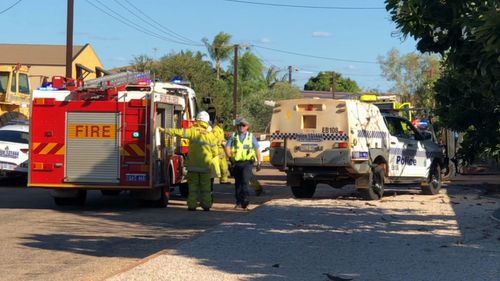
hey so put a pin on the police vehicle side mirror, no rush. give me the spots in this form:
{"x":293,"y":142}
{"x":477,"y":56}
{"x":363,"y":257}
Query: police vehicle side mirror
{"x":426,"y":135}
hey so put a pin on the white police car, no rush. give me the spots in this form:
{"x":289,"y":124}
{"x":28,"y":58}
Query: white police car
{"x":14,"y":146}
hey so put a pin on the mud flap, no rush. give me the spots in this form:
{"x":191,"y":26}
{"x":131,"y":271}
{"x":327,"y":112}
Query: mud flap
{"x":363,"y":181}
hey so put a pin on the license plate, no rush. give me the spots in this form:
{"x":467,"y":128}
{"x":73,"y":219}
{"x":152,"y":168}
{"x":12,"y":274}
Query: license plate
{"x":137,"y":177}
{"x":309,"y":147}
{"x":310,"y":137}
{"x":7,"y":167}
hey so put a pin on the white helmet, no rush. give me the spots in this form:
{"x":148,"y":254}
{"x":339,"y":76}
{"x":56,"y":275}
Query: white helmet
{"x":203,"y":116}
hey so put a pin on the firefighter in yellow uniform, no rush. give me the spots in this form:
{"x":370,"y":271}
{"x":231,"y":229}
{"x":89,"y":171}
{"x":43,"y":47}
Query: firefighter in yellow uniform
{"x":219,"y":134}
{"x":202,"y":160}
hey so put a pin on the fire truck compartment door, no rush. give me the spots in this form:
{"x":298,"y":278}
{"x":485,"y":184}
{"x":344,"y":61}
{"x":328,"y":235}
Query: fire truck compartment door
{"x":93,"y":147}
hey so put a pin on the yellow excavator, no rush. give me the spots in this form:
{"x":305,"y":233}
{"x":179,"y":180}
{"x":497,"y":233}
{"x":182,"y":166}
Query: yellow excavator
{"x":15,"y":93}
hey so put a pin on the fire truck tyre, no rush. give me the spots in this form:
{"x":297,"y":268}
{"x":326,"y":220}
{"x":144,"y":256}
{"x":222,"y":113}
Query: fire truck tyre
{"x":162,"y":202}
{"x":107,"y":192}
{"x":184,"y":189}
{"x":305,"y":190}
{"x":79,"y":200}
{"x":376,"y":189}
{"x":433,"y":180}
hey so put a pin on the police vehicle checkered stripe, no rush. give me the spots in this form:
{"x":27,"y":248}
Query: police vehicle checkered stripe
{"x":325,"y":136}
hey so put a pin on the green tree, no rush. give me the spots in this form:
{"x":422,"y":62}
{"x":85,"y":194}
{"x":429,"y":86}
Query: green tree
{"x":192,"y":66}
{"x":259,"y":114}
{"x":413,"y":74}
{"x":142,"y":63}
{"x":324,"y":80}
{"x":466,"y":34}
{"x":219,"y":50}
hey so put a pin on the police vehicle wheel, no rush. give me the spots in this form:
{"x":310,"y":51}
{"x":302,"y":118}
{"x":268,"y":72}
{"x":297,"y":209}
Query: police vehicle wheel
{"x":305,"y":190}
{"x":433,"y":181}
{"x":184,"y":189}
{"x":376,"y":189}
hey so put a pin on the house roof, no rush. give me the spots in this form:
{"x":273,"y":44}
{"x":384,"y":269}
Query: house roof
{"x":28,"y":54}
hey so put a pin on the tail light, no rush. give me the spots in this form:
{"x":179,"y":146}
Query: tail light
{"x":340,"y":145}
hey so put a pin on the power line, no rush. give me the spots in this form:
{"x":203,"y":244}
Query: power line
{"x":305,"y":6}
{"x":11,"y":6}
{"x":314,"y":56}
{"x":166,"y":29}
{"x":139,"y":28}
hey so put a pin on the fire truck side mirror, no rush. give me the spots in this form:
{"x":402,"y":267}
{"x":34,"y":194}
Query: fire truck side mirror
{"x":207,"y":100}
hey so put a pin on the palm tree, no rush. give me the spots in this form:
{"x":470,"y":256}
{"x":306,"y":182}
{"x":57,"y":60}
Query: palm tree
{"x":219,"y":50}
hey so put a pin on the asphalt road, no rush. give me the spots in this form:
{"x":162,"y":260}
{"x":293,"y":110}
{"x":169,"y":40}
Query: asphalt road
{"x":113,"y":235}
{"x":41,"y":241}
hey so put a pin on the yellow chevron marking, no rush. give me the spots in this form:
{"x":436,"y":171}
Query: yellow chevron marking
{"x":35,"y":145}
{"x":62,"y":150}
{"x":137,"y":149}
{"x":48,"y":148}
{"x":124,"y":152}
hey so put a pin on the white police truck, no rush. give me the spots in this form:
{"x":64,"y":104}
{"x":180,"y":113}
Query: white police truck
{"x":339,"y":142}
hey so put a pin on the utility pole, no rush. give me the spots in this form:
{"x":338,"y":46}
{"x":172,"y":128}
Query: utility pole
{"x":290,"y":74}
{"x":334,"y":85}
{"x":69,"y":40}
{"x":235,"y":82}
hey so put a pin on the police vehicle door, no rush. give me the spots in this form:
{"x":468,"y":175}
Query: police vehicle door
{"x":404,"y":147}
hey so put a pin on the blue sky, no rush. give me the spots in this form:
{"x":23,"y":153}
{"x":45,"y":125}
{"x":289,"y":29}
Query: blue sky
{"x":340,"y":36}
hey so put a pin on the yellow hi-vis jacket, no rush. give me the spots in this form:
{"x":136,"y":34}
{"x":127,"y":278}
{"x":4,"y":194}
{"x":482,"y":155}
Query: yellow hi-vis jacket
{"x":203,"y":155}
{"x":243,"y":150}
{"x":221,"y":140}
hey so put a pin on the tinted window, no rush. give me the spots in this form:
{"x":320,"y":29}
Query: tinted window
{"x":14,"y":136}
{"x":24,"y":84}
{"x":4,"y":79}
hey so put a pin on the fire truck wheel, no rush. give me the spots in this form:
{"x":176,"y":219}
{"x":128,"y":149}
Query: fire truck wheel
{"x":107,"y":192}
{"x":162,"y":202}
{"x":79,"y":200}
{"x":376,"y":189}
{"x":305,"y":190}
{"x":433,"y":184}
{"x":184,"y":189}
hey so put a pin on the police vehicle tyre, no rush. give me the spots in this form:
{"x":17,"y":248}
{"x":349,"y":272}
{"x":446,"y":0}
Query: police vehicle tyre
{"x":376,"y":189}
{"x":107,"y":192}
{"x":433,"y":180}
{"x":79,"y":200}
{"x":184,"y":189}
{"x":305,"y":190}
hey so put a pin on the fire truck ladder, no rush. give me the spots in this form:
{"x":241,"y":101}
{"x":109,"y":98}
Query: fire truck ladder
{"x":114,"y":80}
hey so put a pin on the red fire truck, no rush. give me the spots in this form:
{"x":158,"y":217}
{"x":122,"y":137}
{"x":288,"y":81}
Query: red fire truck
{"x":102,"y":135}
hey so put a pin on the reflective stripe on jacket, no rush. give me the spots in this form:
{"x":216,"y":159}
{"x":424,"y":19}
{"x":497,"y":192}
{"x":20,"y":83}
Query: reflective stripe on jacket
{"x":243,"y":150}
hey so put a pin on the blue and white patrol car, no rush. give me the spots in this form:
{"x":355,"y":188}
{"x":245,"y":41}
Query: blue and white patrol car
{"x":14,"y":145}
{"x":339,"y":142}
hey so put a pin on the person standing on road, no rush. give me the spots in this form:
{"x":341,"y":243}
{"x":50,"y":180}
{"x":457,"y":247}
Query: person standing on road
{"x":243,"y":150}
{"x":220,"y":135}
{"x":201,"y":161}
